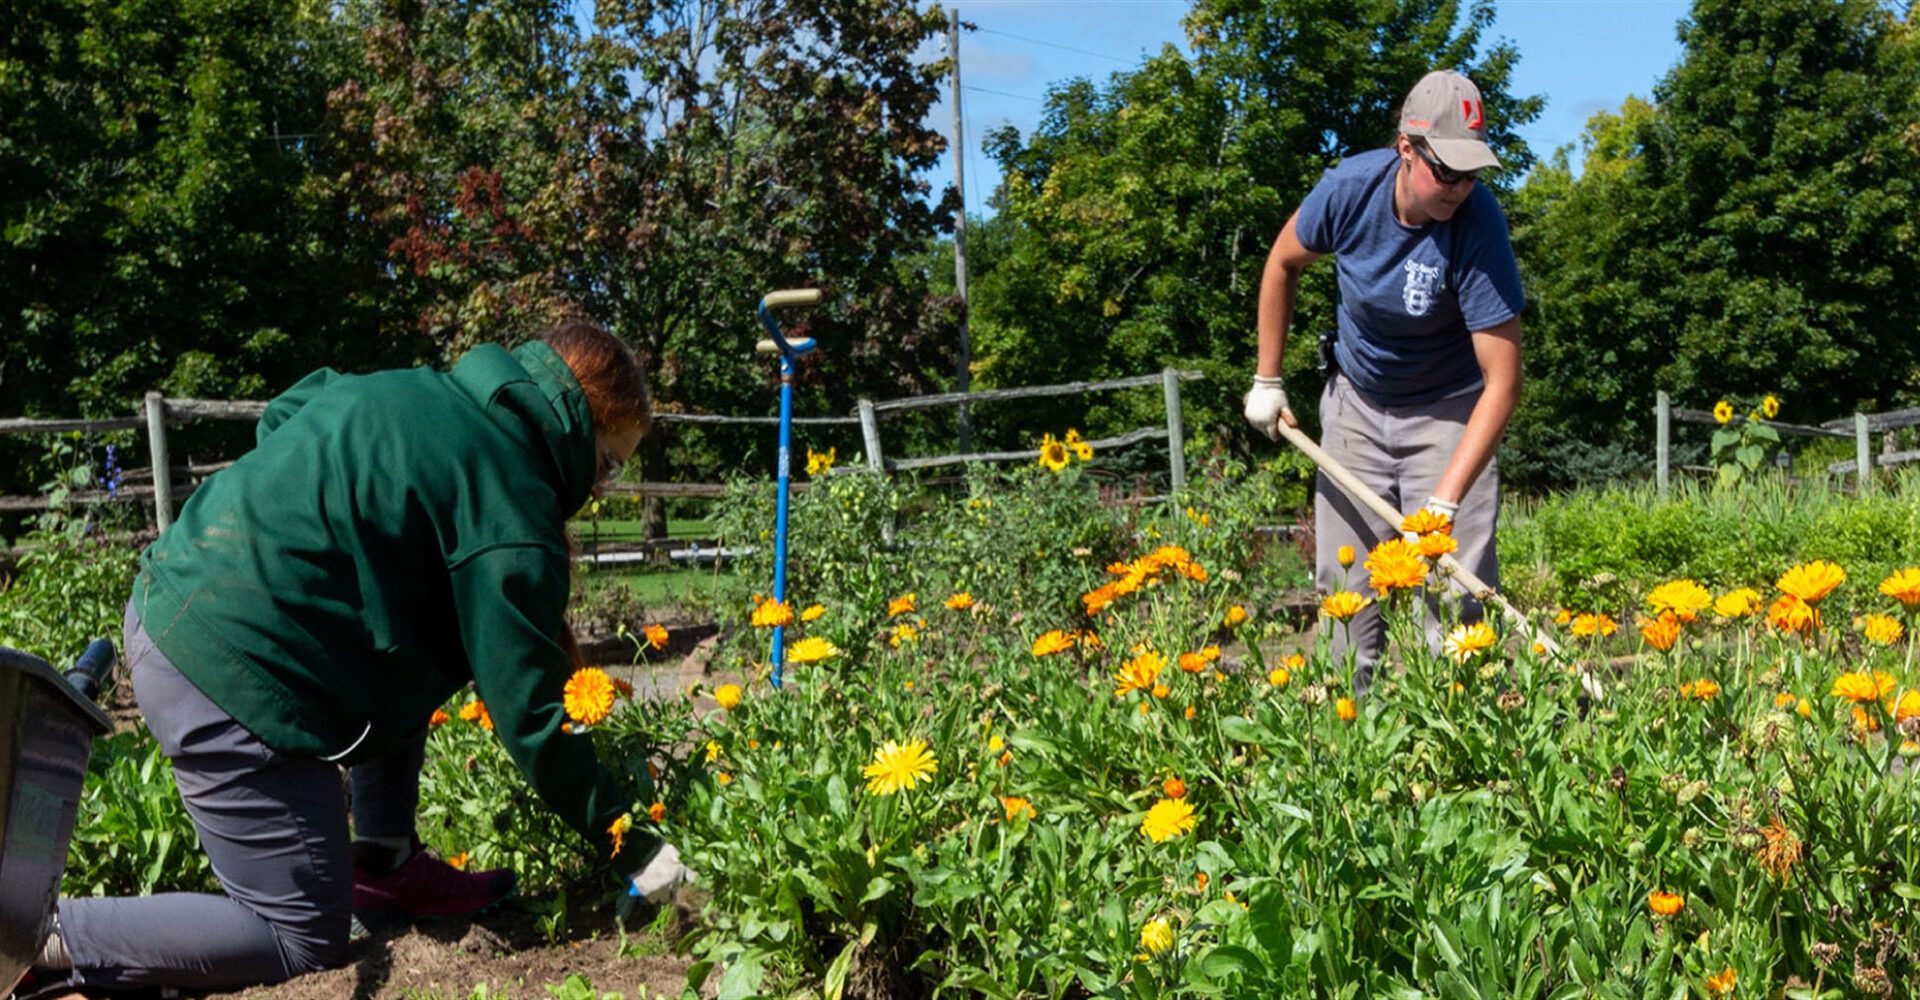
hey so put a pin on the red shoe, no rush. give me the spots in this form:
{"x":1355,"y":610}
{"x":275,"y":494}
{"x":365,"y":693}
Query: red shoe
{"x":425,"y":886}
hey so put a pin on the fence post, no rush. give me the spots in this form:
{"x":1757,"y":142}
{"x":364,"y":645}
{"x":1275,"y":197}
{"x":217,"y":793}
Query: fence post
{"x":870,"y":435}
{"x":162,"y":467}
{"x":1176,"y":431}
{"x":1662,"y":439}
{"x":1862,"y":455}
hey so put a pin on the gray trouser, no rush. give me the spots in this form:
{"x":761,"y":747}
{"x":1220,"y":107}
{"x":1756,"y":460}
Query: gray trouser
{"x":1400,"y":453}
{"x":275,"y":827}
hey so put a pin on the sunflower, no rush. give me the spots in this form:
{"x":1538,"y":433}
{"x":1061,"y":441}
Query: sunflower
{"x":899,"y":766}
{"x":1685,"y":598}
{"x":1017,"y":806}
{"x":1395,"y":565}
{"x":902,"y":605}
{"x":1051,"y":642}
{"x":1903,"y":586}
{"x":1343,"y":605}
{"x":1080,"y":448}
{"x":1882,"y":629}
{"x":1722,"y":412}
{"x":1156,"y":939}
{"x":772,"y":614}
{"x":812,"y":649}
{"x":1054,"y":455}
{"x":960,"y":601}
{"x":1167,"y":819}
{"x":1467,"y":641}
{"x":727,"y":696}
{"x":1661,"y":633}
{"x":588,"y":696}
{"x":1591,"y":623}
{"x":1665,"y":904}
{"x":1770,"y":406}
{"x":1737,"y":603}
{"x":1812,"y":581}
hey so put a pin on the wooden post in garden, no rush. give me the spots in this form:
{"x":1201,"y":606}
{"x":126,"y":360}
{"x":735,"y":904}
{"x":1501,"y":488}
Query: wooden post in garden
{"x":870,"y":435}
{"x":162,"y":468}
{"x":1176,"y":431}
{"x":1862,"y":455}
{"x":1662,"y":440}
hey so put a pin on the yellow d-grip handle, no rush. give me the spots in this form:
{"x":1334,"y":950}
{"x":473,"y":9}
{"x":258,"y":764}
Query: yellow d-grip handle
{"x":791,"y":297}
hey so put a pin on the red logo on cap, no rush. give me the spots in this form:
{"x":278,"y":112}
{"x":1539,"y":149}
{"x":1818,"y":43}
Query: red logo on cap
{"x":1470,"y":110}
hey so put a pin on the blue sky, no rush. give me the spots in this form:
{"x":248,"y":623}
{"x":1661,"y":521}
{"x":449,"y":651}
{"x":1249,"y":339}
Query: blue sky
{"x":1583,"y":56}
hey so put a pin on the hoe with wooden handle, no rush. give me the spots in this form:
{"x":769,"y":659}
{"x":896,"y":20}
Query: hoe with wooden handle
{"x":1448,"y":566}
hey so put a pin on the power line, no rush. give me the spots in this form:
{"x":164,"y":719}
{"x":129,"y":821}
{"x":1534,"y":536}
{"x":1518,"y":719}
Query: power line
{"x":1055,"y":45}
{"x":1001,"y":93}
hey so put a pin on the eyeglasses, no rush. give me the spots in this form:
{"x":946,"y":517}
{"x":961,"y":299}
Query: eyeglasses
{"x":610,"y":465}
{"x":1441,"y":172}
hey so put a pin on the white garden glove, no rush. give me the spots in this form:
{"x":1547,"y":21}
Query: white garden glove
{"x":656,"y":881}
{"x":1266,"y":403}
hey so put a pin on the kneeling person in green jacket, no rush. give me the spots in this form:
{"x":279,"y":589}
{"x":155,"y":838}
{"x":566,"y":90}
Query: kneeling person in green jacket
{"x":391,"y":538}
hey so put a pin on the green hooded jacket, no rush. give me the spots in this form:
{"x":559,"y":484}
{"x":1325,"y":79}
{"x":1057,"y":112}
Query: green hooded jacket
{"x":392,"y":537}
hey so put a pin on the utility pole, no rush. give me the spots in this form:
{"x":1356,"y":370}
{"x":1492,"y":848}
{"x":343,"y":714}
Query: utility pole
{"x":963,"y":376}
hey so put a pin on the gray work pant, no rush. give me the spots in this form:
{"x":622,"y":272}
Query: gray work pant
{"x":1400,"y":452}
{"x":275,"y":827}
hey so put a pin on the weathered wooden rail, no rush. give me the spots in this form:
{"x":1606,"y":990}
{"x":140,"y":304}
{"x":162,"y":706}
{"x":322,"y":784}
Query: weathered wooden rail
{"x":1860,"y":428}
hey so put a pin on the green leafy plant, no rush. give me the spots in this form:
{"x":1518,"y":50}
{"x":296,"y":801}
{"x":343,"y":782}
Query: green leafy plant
{"x":1743,"y":445}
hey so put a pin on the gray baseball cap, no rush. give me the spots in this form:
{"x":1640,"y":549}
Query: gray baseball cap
{"x":1444,"y":109}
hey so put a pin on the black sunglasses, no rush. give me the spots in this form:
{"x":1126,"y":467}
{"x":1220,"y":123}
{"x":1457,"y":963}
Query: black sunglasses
{"x":1441,"y":172}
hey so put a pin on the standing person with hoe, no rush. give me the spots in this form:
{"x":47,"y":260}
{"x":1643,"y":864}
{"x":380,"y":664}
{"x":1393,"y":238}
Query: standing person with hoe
{"x":390,"y":538}
{"x":1426,"y":357}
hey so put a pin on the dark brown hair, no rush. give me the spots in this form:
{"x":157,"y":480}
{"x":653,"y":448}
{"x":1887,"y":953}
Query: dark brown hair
{"x":607,"y":371}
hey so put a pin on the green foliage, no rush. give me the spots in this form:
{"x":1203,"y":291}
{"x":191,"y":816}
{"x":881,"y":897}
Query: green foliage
{"x":68,"y":589}
{"x":1743,"y":233}
{"x":1744,"y":448}
{"x":131,"y":834}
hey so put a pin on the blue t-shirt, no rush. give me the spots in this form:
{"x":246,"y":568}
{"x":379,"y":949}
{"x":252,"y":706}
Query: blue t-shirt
{"x":1409,"y":294}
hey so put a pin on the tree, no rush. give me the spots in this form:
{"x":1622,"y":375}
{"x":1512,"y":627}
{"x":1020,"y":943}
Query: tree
{"x":1145,"y":208}
{"x":1752,"y":231}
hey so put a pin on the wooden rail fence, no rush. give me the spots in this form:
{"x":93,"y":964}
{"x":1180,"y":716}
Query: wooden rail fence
{"x":157,"y":413}
{"x":1860,"y":427}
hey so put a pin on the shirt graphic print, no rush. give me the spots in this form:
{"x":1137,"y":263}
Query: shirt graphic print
{"x":1423,"y":285}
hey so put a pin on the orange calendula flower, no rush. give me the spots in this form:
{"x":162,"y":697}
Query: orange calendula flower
{"x":1861,"y":687}
{"x":1161,"y":690}
{"x":1427,"y":522}
{"x":1780,"y":850}
{"x":1684,"y":598}
{"x":1193,"y":663}
{"x":960,"y":601}
{"x":1665,"y":904}
{"x":1593,"y":624}
{"x":1705,"y":689}
{"x":1723,"y":981}
{"x":623,"y":688}
{"x":1174,"y":788}
{"x":1436,"y":545}
{"x":1051,"y":642}
{"x":772,"y":614}
{"x":1278,"y":677}
{"x":1904,"y":586}
{"x":1790,"y":614}
{"x":812,"y":649}
{"x":1784,"y":699}
{"x":728,"y":696}
{"x":588,"y":697}
{"x":901,"y":605}
{"x":1141,"y":673}
{"x":1188,"y":713}
{"x":458,"y":862}
{"x":1100,"y":598}
{"x":813,"y":612}
{"x":438,"y":718}
{"x":1345,"y":709}
{"x":1395,"y":565}
{"x":1907,"y":706}
{"x":657,"y":636}
{"x":476,"y":712}
{"x":899,"y":766}
{"x":1465,"y":642}
{"x":657,"y":811}
{"x":1811,"y":581}
{"x":618,"y":831}
{"x":1236,"y":615}
{"x":1661,"y":633}
{"x":1344,"y":554}
{"x":723,"y":778}
{"x":1017,"y":806}
{"x":1882,"y":629}
{"x":903,"y":633}
{"x":1738,"y":603}
{"x":1167,"y":819}
{"x":1342,"y":605}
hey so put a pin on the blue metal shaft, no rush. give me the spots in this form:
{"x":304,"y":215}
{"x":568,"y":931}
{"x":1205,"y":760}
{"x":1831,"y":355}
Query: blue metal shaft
{"x":780,"y":510}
